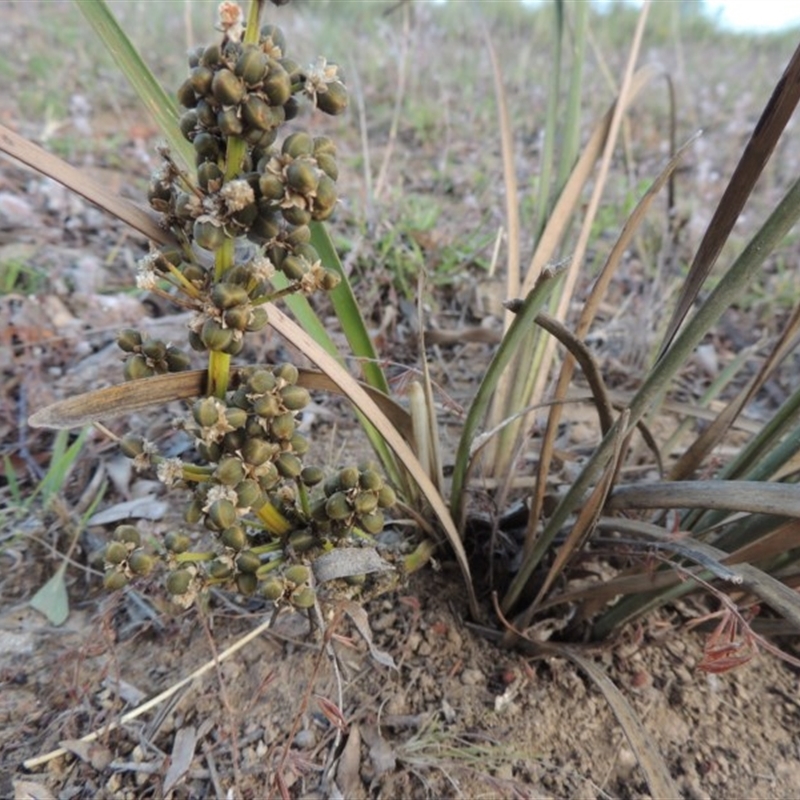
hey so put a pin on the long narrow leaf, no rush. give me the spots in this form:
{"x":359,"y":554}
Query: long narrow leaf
{"x":518,"y":331}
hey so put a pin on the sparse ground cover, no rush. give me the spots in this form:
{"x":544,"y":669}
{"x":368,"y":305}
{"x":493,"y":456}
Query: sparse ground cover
{"x":422,"y":194}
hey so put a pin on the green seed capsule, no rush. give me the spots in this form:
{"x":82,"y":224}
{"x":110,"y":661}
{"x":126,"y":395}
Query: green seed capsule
{"x":141,"y":563}
{"x":261,"y":116}
{"x":154,"y":349}
{"x":211,"y":55}
{"x":370,"y":481}
{"x":325,"y":201}
{"x":209,"y":176}
{"x":349,"y":478}
{"x":248,"y":561}
{"x":226,"y":295}
{"x":209,"y":451}
{"x":251,"y":66}
{"x":294,"y":268}
{"x":289,"y":465}
{"x":372,"y":523}
{"x":219,"y":570}
{"x":288,"y":372}
{"x":214,"y":336}
{"x":194,"y":512}
{"x":188,"y":123}
{"x":297,"y":574}
{"x":291,"y":108}
{"x":229,"y":122}
{"x":302,"y":177}
{"x":176,"y":359}
{"x":257,"y":451}
{"x":129,"y":340}
{"x":311,"y":476}
{"x":229,"y":471}
{"x":268,"y":477}
{"x":206,"y":117}
{"x":330,"y":280}
{"x":386,"y":496}
{"x":132,"y":446}
{"x":327,"y":163}
{"x":271,"y":37}
{"x":298,"y":237}
{"x":298,"y":144}
{"x":178,"y":582}
{"x":334,"y":100}
{"x":257,"y":320}
{"x":222,"y":514}
{"x":234,"y":347}
{"x":302,"y":597}
{"x":296,"y":215}
{"x":366,"y":503}
{"x":206,"y":146}
{"x":273,"y":589}
{"x":227,"y":88}
{"x":186,"y":97}
{"x":206,"y":411}
{"x":208,"y":235}
{"x":337,"y":507}
{"x":277,"y":85}
{"x":271,"y":187}
{"x":302,"y":540}
{"x":294,"y":397}
{"x":249,"y":495}
{"x":200,"y":79}
{"x":237,"y":417}
{"x":234,"y":537}
{"x":237,"y":318}
{"x":267,"y":225}
{"x":324,"y":145}
{"x":246,"y":582}
{"x":128,"y":535}
{"x":282,"y":427}
{"x":136,"y":367}
{"x":299,"y":443}
{"x":114,"y":580}
{"x":115,"y":553}
{"x":177,"y":542}
{"x":261,"y":382}
{"x":268,"y":406}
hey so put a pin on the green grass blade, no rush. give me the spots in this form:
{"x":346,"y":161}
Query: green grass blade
{"x":348,"y":312}
{"x":571,"y":132}
{"x":509,"y":347}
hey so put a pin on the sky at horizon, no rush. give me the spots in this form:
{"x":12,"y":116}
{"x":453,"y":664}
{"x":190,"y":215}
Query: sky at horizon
{"x":755,"y":15}
{"x":743,"y":15}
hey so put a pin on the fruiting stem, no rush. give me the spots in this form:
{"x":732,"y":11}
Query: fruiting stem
{"x":273,"y":520}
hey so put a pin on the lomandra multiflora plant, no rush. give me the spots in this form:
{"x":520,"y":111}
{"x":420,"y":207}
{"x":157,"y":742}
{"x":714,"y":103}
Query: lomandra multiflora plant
{"x":238,"y":219}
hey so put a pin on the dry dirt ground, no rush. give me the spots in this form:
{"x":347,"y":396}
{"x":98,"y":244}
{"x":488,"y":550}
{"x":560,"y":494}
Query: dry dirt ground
{"x":309,"y":707}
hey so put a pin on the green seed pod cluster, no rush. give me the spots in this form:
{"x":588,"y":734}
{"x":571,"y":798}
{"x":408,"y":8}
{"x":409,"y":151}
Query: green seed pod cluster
{"x":292,"y":586}
{"x":125,"y":558}
{"x":253,"y":188}
{"x":147,"y":357}
{"x":354,"y":497}
{"x":247,"y":91}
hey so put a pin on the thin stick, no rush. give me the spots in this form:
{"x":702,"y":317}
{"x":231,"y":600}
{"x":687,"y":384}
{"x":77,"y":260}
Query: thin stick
{"x":137,"y":712}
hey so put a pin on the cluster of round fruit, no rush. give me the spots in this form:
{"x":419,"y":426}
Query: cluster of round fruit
{"x":248,"y":91}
